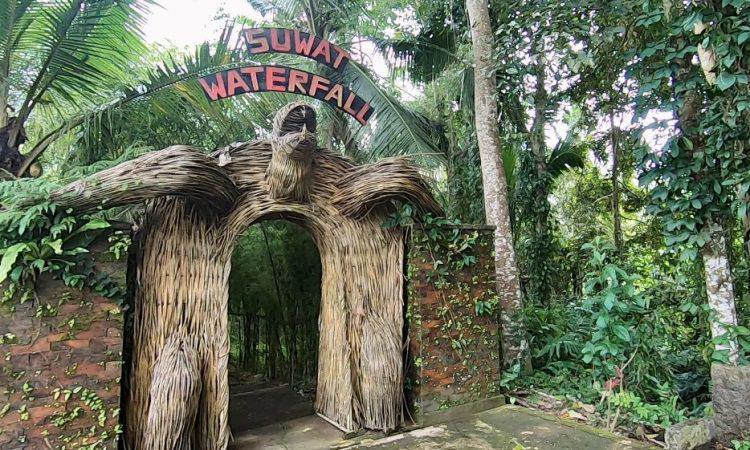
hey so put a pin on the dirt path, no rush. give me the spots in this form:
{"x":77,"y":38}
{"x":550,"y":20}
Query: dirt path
{"x":258,"y":404}
{"x":504,"y":428}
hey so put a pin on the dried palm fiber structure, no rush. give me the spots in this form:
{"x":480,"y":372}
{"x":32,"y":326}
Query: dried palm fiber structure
{"x":197,"y":206}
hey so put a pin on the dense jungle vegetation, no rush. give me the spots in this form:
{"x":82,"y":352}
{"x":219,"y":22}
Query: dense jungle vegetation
{"x":622,"y":141}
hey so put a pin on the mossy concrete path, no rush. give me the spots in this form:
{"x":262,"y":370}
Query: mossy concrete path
{"x":507,"y":427}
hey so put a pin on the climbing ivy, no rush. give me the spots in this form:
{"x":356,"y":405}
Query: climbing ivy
{"x":45,"y":238}
{"x":454,"y":263}
{"x":701,"y":175}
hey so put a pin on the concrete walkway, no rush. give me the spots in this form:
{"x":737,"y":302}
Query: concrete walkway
{"x":507,"y":427}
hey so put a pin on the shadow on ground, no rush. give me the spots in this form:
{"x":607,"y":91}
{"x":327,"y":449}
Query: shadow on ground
{"x":254,"y":405}
{"x":505,"y":428}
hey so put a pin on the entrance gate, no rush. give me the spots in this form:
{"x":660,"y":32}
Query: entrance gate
{"x":198,"y":205}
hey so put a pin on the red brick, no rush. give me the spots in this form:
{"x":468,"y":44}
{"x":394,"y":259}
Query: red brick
{"x":36,"y":435}
{"x":111,"y":341}
{"x":113,"y":369}
{"x":447,"y":380}
{"x":103,"y":306}
{"x":12,"y":417}
{"x":40,"y":413}
{"x":110,"y":394}
{"x":431,"y":298}
{"x":69,"y":309}
{"x":95,"y":331}
{"x":113,"y":332}
{"x":76,"y":343}
{"x":41,"y":345}
{"x":20,"y":362}
{"x":90,"y":369}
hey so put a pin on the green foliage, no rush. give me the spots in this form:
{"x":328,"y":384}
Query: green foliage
{"x":44,"y":238}
{"x":634,"y":408}
{"x":274,"y":302}
{"x":701,"y":173}
{"x":614,"y":306}
{"x":735,"y":334}
{"x":629,"y":342}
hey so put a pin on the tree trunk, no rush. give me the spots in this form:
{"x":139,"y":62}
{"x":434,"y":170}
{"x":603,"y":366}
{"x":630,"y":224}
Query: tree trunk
{"x":718,"y":273}
{"x":11,"y":159}
{"x":746,"y":227}
{"x":539,"y":275}
{"x":616,"y":219}
{"x":515,"y":345}
{"x":720,"y":290}
{"x":539,"y":149}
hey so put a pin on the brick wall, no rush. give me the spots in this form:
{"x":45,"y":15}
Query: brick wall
{"x":60,"y":360}
{"x":60,"y":356}
{"x":454,"y":347}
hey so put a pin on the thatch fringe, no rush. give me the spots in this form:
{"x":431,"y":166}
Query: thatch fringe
{"x":183,"y":265}
{"x":178,"y":170}
{"x":181,"y":290}
{"x":375,"y":184}
{"x":176,"y":386}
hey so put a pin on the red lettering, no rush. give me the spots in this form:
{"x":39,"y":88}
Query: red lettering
{"x":302,"y":47}
{"x":336,"y":92}
{"x":318,"y":83}
{"x":216,"y":90}
{"x":348,"y":104}
{"x":361,"y":114}
{"x":324,"y":48}
{"x":253,"y":72}
{"x":296,"y":81}
{"x":255,"y":36}
{"x":274,"y":78}
{"x":234,"y":79}
{"x":278,"y":46}
{"x":341,"y":55}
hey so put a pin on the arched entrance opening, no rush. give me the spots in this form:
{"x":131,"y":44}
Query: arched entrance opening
{"x":197,"y":205}
{"x":274,"y":305}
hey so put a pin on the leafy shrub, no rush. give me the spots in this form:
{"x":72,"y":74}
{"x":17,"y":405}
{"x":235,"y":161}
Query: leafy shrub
{"x":45,"y":238}
{"x":625,"y":344}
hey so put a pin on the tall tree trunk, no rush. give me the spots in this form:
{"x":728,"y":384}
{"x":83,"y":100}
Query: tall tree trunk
{"x":616,"y":218}
{"x":515,"y":345}
{"x":718,"y":273}
{"x":12,"y":135}
{"x":720,"y":290}
{"x":539,"y":148}
{"x":539,"y":276}
{"x":746,"y":227}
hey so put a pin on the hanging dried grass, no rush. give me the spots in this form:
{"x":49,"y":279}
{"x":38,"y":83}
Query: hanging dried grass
{"x":174,"y":394}
{"x":202,"y":204}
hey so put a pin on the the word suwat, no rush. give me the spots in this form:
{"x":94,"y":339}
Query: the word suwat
{"x":296,"y":42}
{"x":250,"y":79}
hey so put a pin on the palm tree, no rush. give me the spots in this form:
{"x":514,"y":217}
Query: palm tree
{"x":86,"y":48}
{"x":397,"y":130}
{"x":57,"y":55}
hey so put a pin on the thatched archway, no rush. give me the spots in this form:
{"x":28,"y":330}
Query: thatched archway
{"x":198,"y":206}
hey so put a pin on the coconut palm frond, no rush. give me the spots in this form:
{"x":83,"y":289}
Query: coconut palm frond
{"x":394,"y":129}
{"x":567,"y":154}
{"x":78,"y":47}
{"x":425,"y":59}
{"x":13,"y":22}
